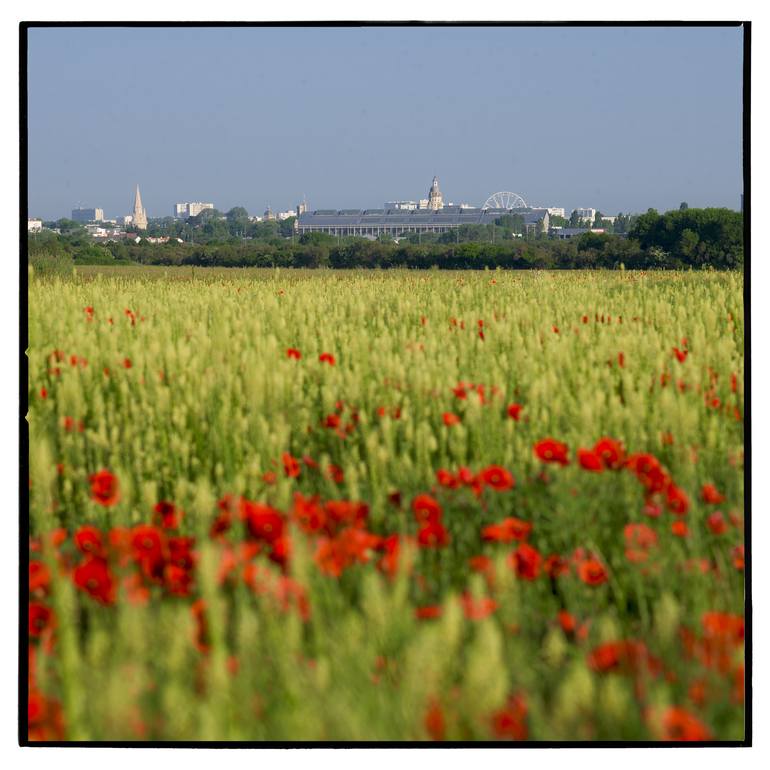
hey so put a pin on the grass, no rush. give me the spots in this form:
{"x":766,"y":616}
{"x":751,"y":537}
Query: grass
{"x":382,"y":625}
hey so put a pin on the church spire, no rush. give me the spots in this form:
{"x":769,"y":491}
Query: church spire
{"x":140,"y":215}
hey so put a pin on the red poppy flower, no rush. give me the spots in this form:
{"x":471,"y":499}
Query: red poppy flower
{"x":628,"y":656}
{"x":680,"y":355}
{"x":104,"y":488}
{"x":290,"y":465}
{"x":497,"y":477}
{"x":555,"y":566}
{"x":507,"y":530}
{"x":330,"y":557}
{"x":93,"y":576}
{"x":201,"y":637}
{"x":652,"y":509}
{"x":335,"y":473}
{"x":88,"y":540}
{"x":477,"y":608}
{"x":264,"y":523}
{"x":514,"y":411}
{"x":426,"y":509}
{"x":526,"y":561}
{"x":716,"y":523}
{"x":723,"y":625}
{"x":223,"y":521}
{"x":567,"y":621}
{"x":433,"y":535}
{"x":738,"y":557}
{"x":590,"y":461}
{"x":43,"y":393}
{"x":391,"y":547}
{"x":551,"y":451}
{"x":709,"y":494}
{"x":460,"y":391}
{"x":167,"y":514}
{"x":344,"y":513}
{"x":680,"y":529}
{"x":327,"y":358}
{"x":509,"y":723}
{"x":127,"y":363}
{"x":640,"y":539}
{"x":592,"y":572}
{"x":450,"y":419}
{"x":147,"y":545}
{"x":39,"y":578}
{"x":429,"y":612}
{"x":677,"y":724}
{"x":447,"y":479}
{"x":480,"y":563}
{"x":676,"y":500}
{"x":293,"y":353}
{"x":433,"y":721}
{"x":648,"y":471}
{"x":41,"y":618}
{"x":332,"y":421}
{"x":611,"y":452}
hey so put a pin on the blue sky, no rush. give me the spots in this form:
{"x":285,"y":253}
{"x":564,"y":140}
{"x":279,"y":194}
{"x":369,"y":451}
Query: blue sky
{"x":620,"y":119}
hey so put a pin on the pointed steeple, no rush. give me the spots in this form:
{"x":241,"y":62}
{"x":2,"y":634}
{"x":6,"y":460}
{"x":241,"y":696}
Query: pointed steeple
{"x":140,"y":215}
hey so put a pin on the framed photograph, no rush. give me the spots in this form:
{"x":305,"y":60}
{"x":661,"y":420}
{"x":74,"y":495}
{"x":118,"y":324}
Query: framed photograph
{"x":385,"y":384}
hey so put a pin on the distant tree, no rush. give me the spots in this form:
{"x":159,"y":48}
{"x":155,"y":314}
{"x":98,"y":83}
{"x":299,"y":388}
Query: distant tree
{"x":68,"y":225}
{"x":236,"y":213}
{"x":574,"y":219}
{"x":318,"y":239}
{"x":683,"y":206}
{"x":598,"y":217}
{"x":286,"y":227}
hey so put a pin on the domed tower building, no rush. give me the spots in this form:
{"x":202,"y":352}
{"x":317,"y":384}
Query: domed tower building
{"x":435,"y":198}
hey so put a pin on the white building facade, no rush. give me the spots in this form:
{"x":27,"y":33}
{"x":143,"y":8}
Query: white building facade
{"x":191,"y":209}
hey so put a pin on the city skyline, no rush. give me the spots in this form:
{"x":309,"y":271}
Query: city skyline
{"x":619,"y":119}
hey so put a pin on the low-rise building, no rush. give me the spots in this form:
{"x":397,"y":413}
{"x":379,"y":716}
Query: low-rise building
{"x":34,"y":225}
{"x":586,"y":213}
{"x":403,"y":205}
{"x":397,"y":222}
{"x":565,"y":233}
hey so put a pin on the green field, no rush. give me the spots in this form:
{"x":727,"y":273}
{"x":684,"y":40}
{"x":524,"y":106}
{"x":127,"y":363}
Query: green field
{"x":237,"y":537}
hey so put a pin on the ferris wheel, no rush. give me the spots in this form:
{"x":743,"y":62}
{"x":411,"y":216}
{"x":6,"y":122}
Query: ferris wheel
{"x":505,"y":200}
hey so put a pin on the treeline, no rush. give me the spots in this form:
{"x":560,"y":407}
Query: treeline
{"x":698,"y":238}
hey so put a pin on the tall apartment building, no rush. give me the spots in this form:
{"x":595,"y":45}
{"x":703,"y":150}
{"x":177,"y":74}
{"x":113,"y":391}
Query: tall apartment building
{"x":87,"y":215}
{"x":192,"y":209}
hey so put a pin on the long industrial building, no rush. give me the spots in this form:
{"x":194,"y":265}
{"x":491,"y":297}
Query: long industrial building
{"x":396,"y":222}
